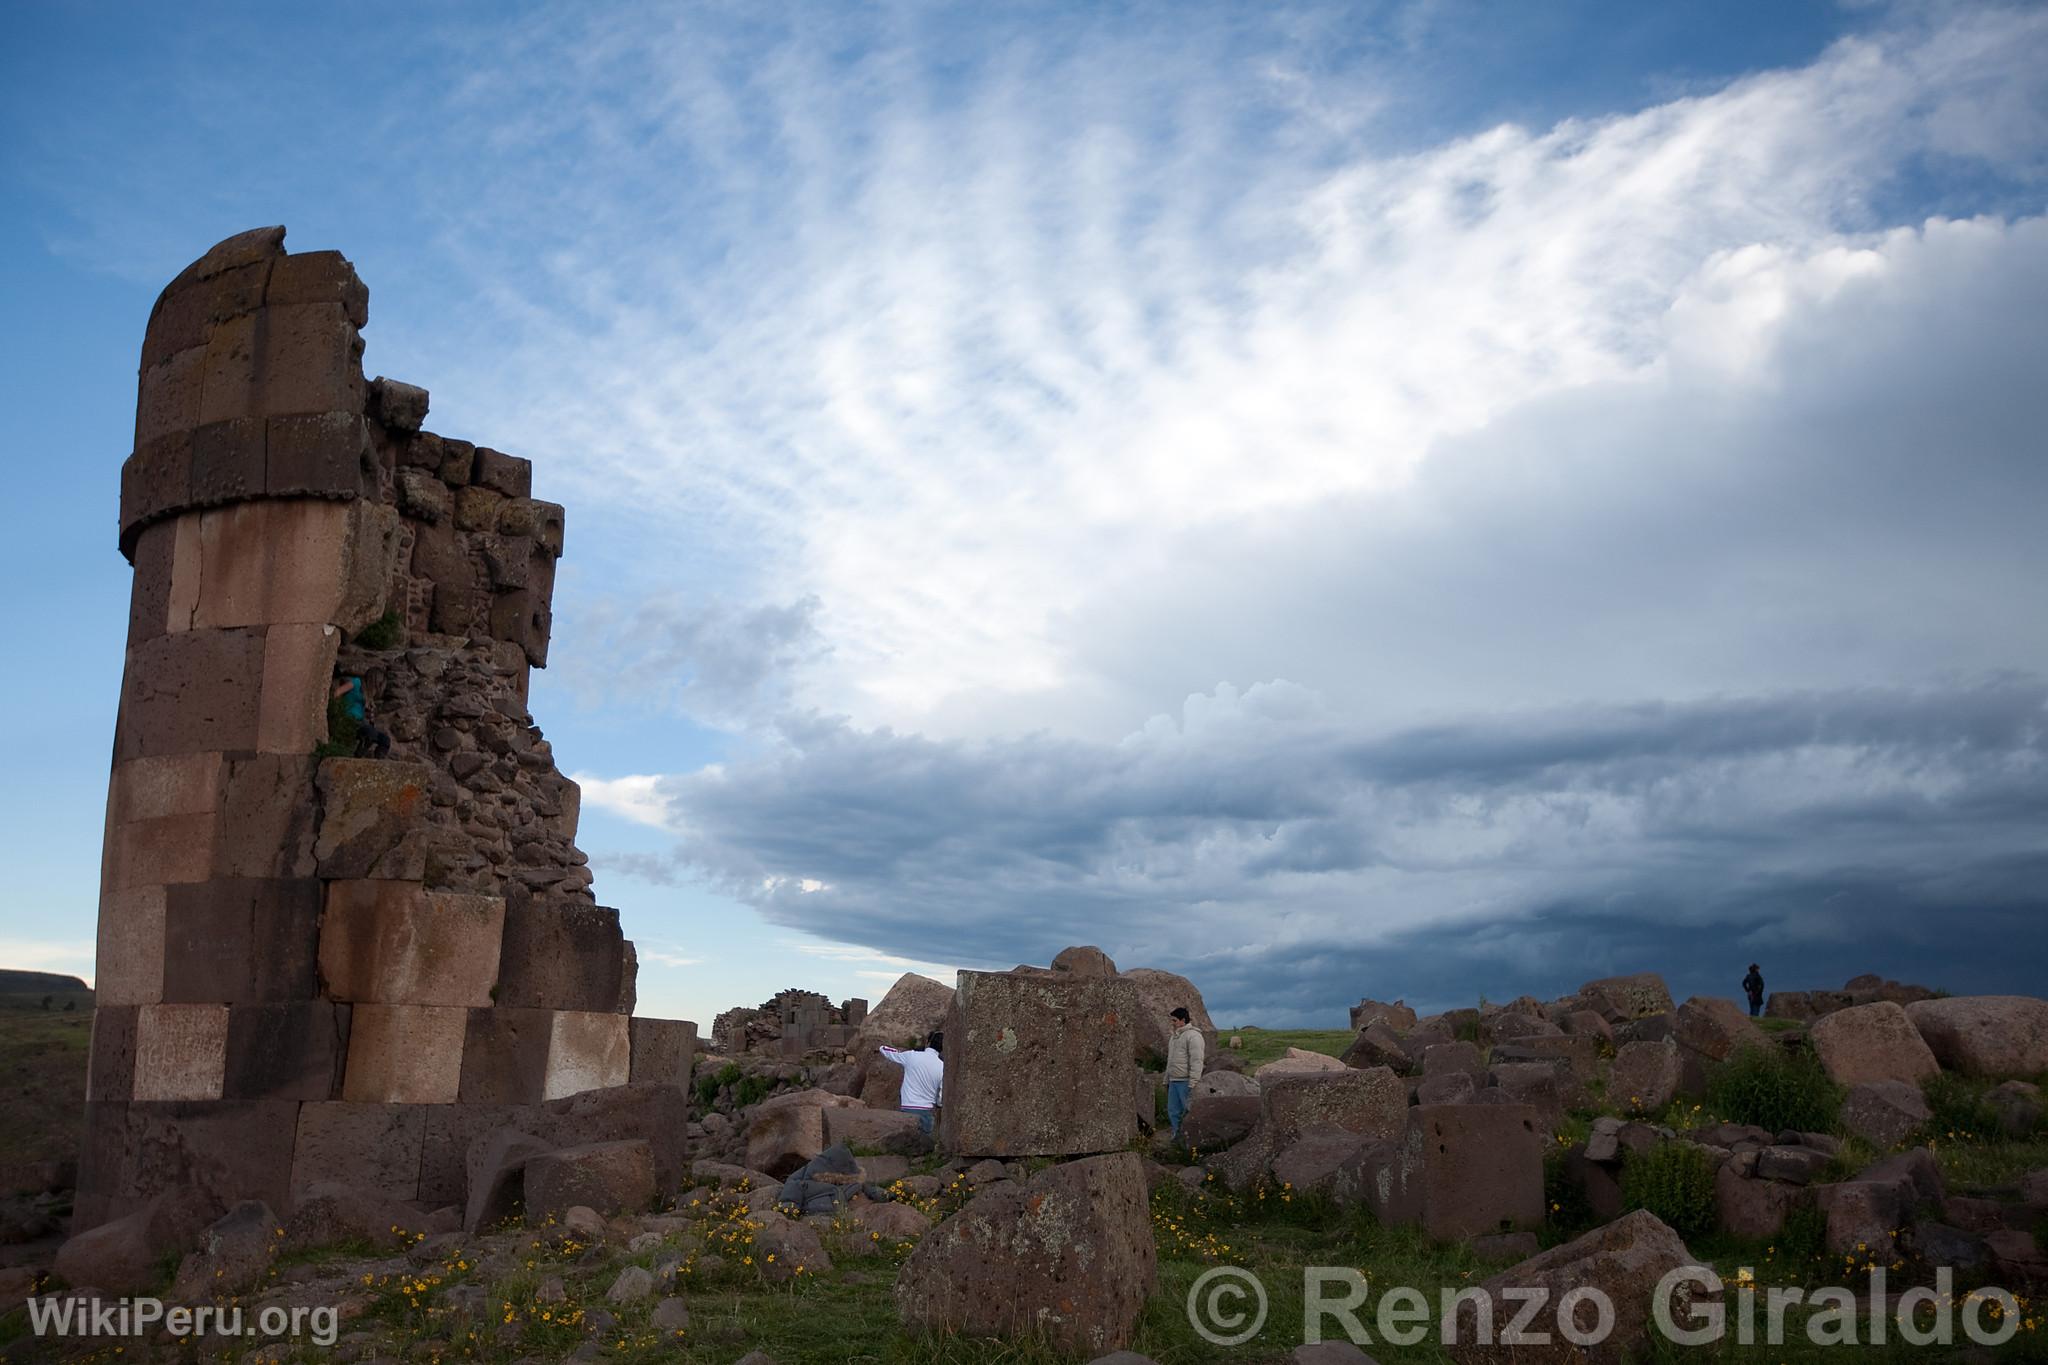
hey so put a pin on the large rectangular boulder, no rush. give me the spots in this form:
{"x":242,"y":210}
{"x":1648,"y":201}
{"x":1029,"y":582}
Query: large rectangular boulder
{"x":1457,"y":1171}
{"x":1039,"y":1064}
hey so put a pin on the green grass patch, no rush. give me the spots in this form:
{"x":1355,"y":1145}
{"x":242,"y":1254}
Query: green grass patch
{"x":1774,"y":1089}
{"x":1270,"y":1045}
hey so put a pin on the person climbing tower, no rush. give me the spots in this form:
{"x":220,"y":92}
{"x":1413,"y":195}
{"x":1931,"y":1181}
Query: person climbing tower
{"x":371,"y":742}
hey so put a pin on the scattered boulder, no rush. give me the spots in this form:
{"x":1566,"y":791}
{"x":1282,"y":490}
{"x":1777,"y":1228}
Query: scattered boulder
{"x":1536,"y":1084}
{"x":1214,"y":1122}
{"x":121,"y":1256}
{"x":892,"y":1221}
{"x":1449,"y":1087}
{"x":1874,"y":1042}
{"x":1067,"y":1256}
{"x":234,"y":1253}
{"x":497,"y":1176}
{"x":1298,"y":1062}
{"x":1369,"y":1011}
{"x":1753,"y":1208}
{"x":1985,"y":1035}
{"x":331,"y":1212}
{"x":1625,"y":1260}
{"x":1862,"y":1215}
{"x":2018,"y":1106}
{"x":609,"y":1177}
{"x":1457,"y":1171}
{"x":1589,"y":1022}
{"x":1084,"y":961}
{"x":786,"y":1248}
{"x":1223,"y":1084}
{"x":1615,"y":998}
{"x":1884,"y":1113}
{"x":1159,"y":994}
{"x":1443,"y":1058}
{"x":1039,"y":1064}
{"x":1709,"y":1030}
{"x":1378,"y":1045}
{"x":1645,"y":1076}
{"x":886,"y":1130}
{"x":1792,"y":1165}
{"x":631,"y":1285}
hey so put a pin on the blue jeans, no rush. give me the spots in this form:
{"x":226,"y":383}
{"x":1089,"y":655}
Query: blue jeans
{"x":924,"y":1118}
{"x":1176,"y":1104}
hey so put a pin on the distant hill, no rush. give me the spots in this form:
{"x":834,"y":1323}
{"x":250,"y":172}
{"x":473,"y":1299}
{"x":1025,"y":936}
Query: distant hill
{"x":24,"y":987}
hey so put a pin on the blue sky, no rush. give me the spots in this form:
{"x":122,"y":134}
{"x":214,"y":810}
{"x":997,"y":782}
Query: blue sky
{"x":1428,"y":499}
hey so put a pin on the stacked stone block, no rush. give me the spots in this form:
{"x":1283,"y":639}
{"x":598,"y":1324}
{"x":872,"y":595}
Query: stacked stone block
{"x":335,"y":968}
{"x":1039,"y":1063}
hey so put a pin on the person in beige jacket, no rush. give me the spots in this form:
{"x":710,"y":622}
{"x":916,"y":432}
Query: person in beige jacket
{"x":1183,"y":1065}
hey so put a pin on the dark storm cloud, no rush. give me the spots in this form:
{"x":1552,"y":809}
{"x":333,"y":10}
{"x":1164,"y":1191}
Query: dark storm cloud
{"x":1288,"y":865}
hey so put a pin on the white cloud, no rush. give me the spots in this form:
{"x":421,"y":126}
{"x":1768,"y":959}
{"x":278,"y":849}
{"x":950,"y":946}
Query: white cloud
{"x":636,"y":797}
{"x":966,"y":363}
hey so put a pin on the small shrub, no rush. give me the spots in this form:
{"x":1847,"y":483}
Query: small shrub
{"x":1804,"y":1236}
{"x":386,"y":632}
{"x":1774,"y":1089}
{"x":1675,"y":1181}
{"x":343,"y":732}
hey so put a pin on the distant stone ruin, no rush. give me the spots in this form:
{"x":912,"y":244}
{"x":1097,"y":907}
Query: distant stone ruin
{"x":316,"y":966}
{"x":791,"y":1023}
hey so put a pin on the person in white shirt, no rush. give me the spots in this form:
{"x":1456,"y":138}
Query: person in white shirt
{"x":924,"y":1078}
{"x":1184,"y":1054}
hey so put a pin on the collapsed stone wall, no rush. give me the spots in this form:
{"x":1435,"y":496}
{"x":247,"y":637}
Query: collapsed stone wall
{"x":791,"y":1022}
{"x":331,"y":968}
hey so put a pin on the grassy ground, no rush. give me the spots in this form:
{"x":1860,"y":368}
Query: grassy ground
{"x":42,"y":1070}
{"x":1265,"y":1045}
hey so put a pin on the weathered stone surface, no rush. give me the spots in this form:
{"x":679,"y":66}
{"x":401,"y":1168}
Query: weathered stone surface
{"x":1874,"y":1042}
{"x":190,"y":692}
{"x":610,"y":1177}
{"x":1985,"y":1035}
{"x":1711,"y":1030}
{"x":1447,"y":1087}
{"x":129,"y":963}
{"x":180,"y":1051}
{"x":240,"y":941}
{"x":497,"y":1181}
{"x":394,"y":943}
{"x":267,"y":817}
{"x":1625,"y":1260}
{"x":1792,"y":1165}
{"x":1458,"y":1170}
{"x":332,"y":1212}
{"x":1645,"y":1077}
{"x":404,"y":1054}
{"x":888,"y":1130}
{"x":1443,"y":1058}
{"x":234,"y":1253}
{"x":1039,"y":1065}
{"x":374,"y":1147}
{"x":1862,"y":1215}
{"x":286,"y":1050}
{"x":1369,"y":1011}
{"x":1616,"y":998}
{"x":587,"y":1050}
{"x":121,"y":1256}
{"x":664,"y":1051}
{"x":507,"y":475}
{"x":371,"y":821}
{"x":1378,"y":1045}
{"x":1314,"y":1162}
{"x":1545,"y":1088}
{"x":505,"y":1056}
{"x":399,"y":406}
{"x":110,"y":1065}
{"x":1298,"y":1061}
{"x":1577,"y":1053}
{"x":781,"y":1139}
{"x":1067,"y":1256}
{"x":273,"y":561}
{"x":1159,"y":994}
{"x":220,"y":1151}
{"x":1214,"y":1122}
{"x":561,"y":955}
{"x":1754,"y":1208}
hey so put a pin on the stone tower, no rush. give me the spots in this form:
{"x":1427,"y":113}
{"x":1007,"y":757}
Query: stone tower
{"x":314,"y":966}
